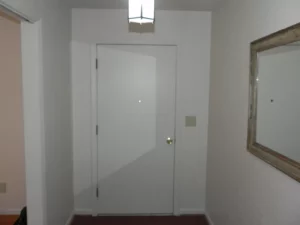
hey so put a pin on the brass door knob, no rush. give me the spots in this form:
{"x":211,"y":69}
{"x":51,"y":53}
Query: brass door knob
{"x":169,"y":141}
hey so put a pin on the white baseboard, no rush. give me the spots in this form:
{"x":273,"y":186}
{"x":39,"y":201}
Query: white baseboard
{"x":191,"y":212}
{"x":70,"y":219}
{"x":83,"y":212}
{"x":10,"y":211}
{"x":209,"y":219}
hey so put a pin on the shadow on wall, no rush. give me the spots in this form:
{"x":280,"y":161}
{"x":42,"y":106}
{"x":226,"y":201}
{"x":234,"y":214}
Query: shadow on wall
{"x":133,"y":185}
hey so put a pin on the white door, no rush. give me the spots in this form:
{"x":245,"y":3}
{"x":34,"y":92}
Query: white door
{"x":136,"y":116}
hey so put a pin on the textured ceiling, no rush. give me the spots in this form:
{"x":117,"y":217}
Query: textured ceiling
{"x":195,"y":5}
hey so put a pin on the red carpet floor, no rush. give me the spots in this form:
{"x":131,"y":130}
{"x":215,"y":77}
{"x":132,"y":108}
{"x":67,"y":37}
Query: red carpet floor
{"x":146,"y":220}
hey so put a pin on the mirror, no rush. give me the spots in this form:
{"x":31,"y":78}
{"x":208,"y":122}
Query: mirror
{"x":274,"y":110}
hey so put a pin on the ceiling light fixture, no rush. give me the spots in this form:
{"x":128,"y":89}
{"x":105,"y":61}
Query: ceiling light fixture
{"x":141,"y":11}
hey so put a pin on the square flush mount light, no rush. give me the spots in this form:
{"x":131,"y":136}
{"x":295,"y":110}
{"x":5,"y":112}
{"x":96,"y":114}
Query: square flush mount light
{"x":141,"y":11}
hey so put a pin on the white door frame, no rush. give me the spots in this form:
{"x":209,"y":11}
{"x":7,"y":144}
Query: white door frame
{"x":33,"y":116}
{"x":94,"y":138}
{"x":32,"y":94}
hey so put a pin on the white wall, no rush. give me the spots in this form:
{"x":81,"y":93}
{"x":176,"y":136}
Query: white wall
{"x":242,"y":189}
{"x":56,"y":37}
{"x":190,"y":31}
{"x":278,"y":124}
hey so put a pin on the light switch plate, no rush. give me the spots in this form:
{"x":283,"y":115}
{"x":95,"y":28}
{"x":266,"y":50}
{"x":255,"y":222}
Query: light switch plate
{"x":190,"y":121}
{"x":2,"y":188}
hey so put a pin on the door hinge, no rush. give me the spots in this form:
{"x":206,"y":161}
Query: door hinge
{"x":97,"y":192}
{"x":96,"y":63}
{"x":96,"y":129}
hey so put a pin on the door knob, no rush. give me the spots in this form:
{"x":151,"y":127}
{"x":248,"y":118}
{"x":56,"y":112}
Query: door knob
{"x":169,"y":141}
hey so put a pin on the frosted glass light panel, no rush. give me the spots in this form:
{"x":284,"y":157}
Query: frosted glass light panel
{"x":141,"y":11}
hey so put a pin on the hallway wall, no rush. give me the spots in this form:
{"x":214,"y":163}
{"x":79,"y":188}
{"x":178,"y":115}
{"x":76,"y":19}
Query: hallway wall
{"x":57,"y":108}
{"x":12,"y":154}
{"x":190,"y":32}
{"x":242,"y":189}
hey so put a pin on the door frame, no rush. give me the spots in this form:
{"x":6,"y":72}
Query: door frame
{"x":33,"y":116}
{"x":94,"y":121}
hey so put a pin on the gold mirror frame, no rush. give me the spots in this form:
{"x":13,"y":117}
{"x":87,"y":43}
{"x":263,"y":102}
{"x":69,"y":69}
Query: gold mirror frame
{"x":279,"y":161}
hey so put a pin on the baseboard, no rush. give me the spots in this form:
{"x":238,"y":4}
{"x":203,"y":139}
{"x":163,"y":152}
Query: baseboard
{"x":70,"y":219}
{"x":10,"y":211}
{"x":191,"y":212}
{"x":209,"y":219}
{"x":83,"y":212}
